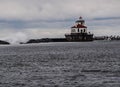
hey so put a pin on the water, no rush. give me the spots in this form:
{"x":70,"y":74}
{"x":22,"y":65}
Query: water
{"x":80,"y":64}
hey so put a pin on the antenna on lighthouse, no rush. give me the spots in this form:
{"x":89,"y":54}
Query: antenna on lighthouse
{"x":80,"y":17}
{"x":80,"y":21}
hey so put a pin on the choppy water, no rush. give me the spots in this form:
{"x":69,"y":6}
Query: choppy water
{"x":80,"y":64}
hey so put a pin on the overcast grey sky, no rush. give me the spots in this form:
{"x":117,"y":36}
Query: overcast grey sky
{"x":24,"y":19}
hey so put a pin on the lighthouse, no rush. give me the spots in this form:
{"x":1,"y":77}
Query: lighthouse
{"x":79,"y":32}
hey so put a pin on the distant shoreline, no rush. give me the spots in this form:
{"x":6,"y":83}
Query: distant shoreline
{"x":47,"y":40}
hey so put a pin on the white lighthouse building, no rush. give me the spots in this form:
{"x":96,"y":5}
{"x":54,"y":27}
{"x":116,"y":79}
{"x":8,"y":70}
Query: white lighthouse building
{"x":79,"y":32}
{"x":79,"y":27}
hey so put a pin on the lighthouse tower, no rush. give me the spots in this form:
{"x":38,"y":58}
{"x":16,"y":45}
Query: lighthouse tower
{"x":79,"y":32}
{"x":79,"y":27}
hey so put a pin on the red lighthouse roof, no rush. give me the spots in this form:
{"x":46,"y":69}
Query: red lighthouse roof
{"x":79,"y":26}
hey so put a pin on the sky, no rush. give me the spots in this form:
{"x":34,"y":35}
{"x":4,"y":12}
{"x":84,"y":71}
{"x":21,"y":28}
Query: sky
{"x":21,"y":20}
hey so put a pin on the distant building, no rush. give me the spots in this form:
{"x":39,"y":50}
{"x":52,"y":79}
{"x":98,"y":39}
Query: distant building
{"x":79,"y":32}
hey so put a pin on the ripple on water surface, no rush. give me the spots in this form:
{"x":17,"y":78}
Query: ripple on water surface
{"x":80,"y":64}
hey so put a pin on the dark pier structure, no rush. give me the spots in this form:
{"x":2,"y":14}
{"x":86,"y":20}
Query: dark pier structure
{"x":4,"y":42}
{"x":79,"y":32}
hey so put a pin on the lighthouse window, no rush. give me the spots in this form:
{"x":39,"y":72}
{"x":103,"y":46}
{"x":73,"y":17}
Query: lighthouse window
{"x":81,"y":31}
{"x":84,"y":30}
{"x":78,"y":30}
{"x":73,"y":30}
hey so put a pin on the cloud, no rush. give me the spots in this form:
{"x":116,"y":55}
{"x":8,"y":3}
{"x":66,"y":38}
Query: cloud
{"x":53,"y":18}
{"x":57,"y":9}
